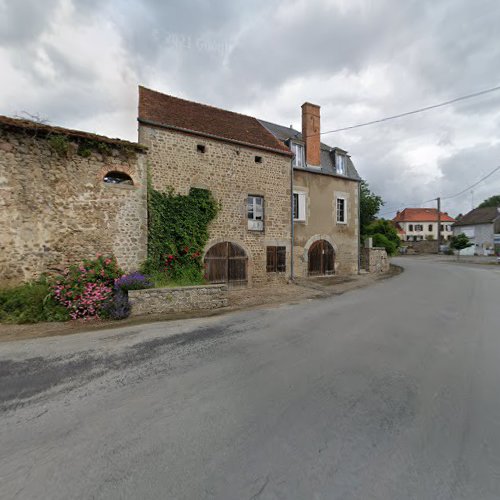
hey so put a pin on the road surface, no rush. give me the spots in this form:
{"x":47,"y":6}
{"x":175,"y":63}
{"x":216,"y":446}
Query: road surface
{"x":390,"y":392}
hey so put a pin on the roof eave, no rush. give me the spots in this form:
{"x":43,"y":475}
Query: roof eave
{"x":215,"y":137}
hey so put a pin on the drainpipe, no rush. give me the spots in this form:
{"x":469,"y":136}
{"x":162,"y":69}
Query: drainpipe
{"x":359,"y":227}
{"x":292,"y":232}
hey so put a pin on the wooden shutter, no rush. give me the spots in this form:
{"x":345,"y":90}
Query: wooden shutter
{"x":281,"y":259}
{"x":271,"y":263}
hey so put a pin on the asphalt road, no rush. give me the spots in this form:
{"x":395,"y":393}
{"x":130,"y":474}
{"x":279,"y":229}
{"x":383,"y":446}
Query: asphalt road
{"x":390,"y":392}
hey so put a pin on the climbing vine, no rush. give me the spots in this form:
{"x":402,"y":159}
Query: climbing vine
{"x":178,"y":232}
{"x":65,"y":146}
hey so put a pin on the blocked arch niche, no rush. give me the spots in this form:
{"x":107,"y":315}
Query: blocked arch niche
{"x":313,"y":243}
{"x":227,"y":261}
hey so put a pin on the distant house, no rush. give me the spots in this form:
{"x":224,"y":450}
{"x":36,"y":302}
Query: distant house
{"x":416,"y":224}
{"x":482,"y":226}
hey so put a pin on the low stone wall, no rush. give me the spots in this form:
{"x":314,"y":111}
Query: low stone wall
{"x":375,"y":260}
{"x":423,"y":246}
{"x":174,"y":300}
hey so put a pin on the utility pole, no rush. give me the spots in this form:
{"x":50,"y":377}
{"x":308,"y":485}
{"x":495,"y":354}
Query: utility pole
{"x":439,"y":223}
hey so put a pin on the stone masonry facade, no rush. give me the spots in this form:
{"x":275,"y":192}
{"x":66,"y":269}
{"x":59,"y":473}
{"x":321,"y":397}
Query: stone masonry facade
{"x":55,"y":208}
{"x":321,"y":223}
{"x":175,"y":300}
{"x":375,"y":260}
{"x":231,"y":173}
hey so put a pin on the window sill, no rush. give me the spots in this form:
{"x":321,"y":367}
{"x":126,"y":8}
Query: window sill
{"x":119,"y":186}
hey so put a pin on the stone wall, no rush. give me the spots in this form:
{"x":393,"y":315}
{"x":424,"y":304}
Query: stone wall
{"x":423,"y":246}
{"x":55,"y":208}
{"x":375,"y":260}
{"x":174,"y":300}
{"x":321,"y":222}
{"x":231,"y":173}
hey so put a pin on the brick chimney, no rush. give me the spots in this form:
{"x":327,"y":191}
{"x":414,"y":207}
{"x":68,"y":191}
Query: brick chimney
{"x":310,"y":133}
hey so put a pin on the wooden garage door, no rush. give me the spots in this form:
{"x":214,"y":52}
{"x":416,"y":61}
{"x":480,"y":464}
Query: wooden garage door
{"x":321,"y":258}
{"x":226,"y":263}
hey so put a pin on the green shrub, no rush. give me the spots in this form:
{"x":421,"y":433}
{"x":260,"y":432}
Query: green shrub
{"x":381,"y":240}
{"x":59,"y":144}
{"x":30,"y":303}
{"x":177,"y":233}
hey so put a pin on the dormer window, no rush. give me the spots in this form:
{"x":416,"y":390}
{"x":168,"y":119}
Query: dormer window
{"x":298,"y":151}
{"x":340,"y":161}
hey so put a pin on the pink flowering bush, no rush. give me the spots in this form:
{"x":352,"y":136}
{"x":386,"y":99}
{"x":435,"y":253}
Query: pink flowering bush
{"x":86,"y":290}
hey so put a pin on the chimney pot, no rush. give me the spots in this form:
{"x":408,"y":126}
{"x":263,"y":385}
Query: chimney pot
{"x":310,"y":133}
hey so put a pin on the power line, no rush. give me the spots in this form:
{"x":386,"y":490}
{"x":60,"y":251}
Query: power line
{"x":473,"y":185}
{"x":413,"y":112}
{"x":496,"y":169}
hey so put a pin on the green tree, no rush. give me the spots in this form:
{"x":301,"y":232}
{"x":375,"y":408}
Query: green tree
{"x":460,"y":242}
{"x":369,"y":205}
{"x":384,"y":234}
{"x":492,"y":201}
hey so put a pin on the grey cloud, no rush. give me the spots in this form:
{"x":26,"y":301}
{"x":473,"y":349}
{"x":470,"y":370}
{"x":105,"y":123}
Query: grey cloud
{"x":238,"y":55}
{"x":23,"y":21}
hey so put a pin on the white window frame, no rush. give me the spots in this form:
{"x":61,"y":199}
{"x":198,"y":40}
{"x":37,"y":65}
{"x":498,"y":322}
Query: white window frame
{"x":337,"y":212}
{"x":256,"y":218}
{"x":299,"y":155}
{"x":340,"y":160}
{"x":302,"y":206}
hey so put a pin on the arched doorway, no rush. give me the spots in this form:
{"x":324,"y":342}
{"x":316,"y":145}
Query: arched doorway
{"x":226,"y":263}
{"x":321,"y":258}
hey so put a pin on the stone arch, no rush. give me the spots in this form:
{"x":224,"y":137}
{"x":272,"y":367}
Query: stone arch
{"x":310,"y":243}
{"x":124,"y":169}
{"x":239,"y":267}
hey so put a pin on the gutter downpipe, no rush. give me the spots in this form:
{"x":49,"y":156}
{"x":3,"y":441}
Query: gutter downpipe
{"x":359,"y":227}
{"x":292,"y":232}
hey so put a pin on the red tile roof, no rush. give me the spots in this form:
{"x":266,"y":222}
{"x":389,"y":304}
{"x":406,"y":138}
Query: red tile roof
{"x":164,"y":110}
{"x":421,"y":215}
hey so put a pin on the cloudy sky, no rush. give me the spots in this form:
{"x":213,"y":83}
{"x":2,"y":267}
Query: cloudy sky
{"x":77,"y":63}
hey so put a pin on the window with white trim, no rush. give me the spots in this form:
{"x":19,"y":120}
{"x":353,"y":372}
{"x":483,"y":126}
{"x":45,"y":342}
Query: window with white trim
{"x":255,"y":211}
{"x":298,"y":151}
{"x":340,"y":161}
{"x":299,"y":206}
{"x":341,"y":210}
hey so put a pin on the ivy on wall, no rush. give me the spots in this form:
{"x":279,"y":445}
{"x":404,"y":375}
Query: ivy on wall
{"x":178,"y":232}
{"x":65,"y":146}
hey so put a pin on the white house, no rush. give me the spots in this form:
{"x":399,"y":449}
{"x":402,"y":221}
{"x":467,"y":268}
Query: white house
{"x":482,"y":227}
{"x":416,"y":224}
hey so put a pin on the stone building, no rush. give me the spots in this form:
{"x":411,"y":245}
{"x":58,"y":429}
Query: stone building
{"x":244,"y":166}
{"x":326,"y":200}
{"x":66,"y":195}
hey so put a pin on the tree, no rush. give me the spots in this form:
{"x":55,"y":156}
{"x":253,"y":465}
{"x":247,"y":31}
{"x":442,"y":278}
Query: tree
{"x":492,"y":201}
{"x":369,"y":205}
{"x":460,"y":242}
{"x":384,"y":234}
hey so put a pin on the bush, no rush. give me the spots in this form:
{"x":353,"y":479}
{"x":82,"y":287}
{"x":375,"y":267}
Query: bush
{"x":380,"y":240}
{"x":85,"y":289}
{"x":133,"y":281}
{"x":118,"y":307}
{"x":385,"y":235}
{"x":30,"y":303}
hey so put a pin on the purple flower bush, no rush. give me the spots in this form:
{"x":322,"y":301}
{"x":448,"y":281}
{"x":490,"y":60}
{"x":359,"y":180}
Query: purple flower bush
{"x":133,"y":281}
